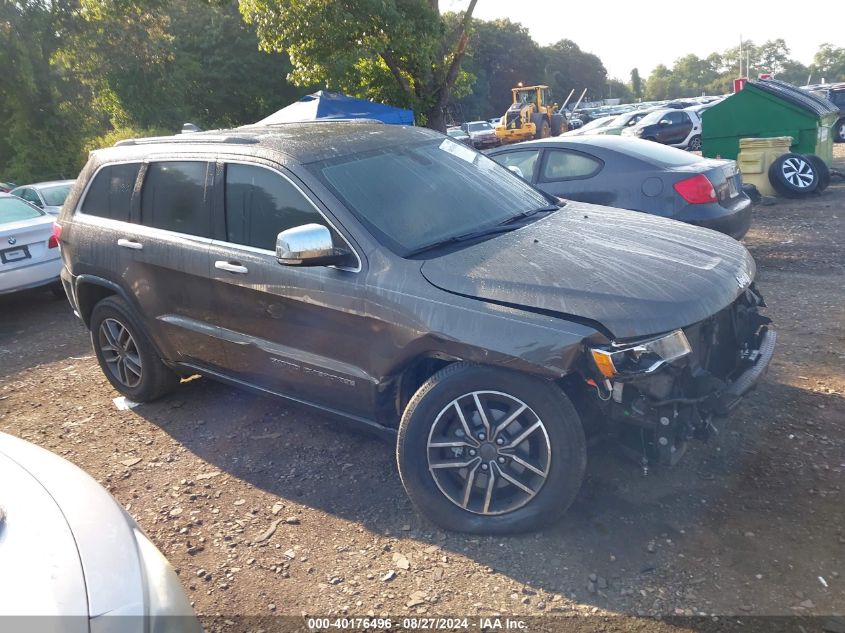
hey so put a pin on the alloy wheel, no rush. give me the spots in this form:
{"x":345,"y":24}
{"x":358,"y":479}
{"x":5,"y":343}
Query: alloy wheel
{"x":120,"y":352}
{"x":695,"y":144}
{"x":798,"y":172}
{"x":489,"y":452}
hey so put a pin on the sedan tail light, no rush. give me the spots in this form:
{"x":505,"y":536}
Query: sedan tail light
{"x":53,"y":242}
{"x":696,"y":190}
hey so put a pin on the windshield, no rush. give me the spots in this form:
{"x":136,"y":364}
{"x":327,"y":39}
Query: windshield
{"x":14,"y":210}
{"x":55,"y":196}
{"x":416,"y":195}
{"x":592,"y":125}
{"x":652,"y":118}
{"x":479,"y":127}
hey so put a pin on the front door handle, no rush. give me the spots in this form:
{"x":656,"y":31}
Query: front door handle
{"x":135,"y":246}
{"x":232,"y":267}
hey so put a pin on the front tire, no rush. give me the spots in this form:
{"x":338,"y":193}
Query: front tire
{"x":490,"y":451}
{"x":126,"y":356}
{"x":839,"y":131}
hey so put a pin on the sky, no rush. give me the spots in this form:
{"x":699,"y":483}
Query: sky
{"x":641,"y":35}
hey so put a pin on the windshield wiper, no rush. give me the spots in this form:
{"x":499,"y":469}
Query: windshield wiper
{"x":525,"y":214}
{"x":492,"y":230}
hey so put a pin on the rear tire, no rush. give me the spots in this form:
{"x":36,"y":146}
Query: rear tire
{"x":793,"y":176}
{"x":127,"y":357}
{"x":694,"y":144}
{"x":822,"y":168}
{"x":535,"y":477}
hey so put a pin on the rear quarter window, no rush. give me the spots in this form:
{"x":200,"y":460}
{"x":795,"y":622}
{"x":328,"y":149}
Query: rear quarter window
{"x":110,"y":193}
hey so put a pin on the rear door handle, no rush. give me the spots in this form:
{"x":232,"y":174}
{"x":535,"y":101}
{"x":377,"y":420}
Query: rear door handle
{"x":232,"y":267}
{"x":135,"y":246}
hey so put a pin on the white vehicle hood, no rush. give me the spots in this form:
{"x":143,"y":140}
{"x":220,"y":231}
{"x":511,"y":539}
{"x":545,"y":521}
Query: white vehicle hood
{"x":70,"y":537}
{"x":40,"y":570}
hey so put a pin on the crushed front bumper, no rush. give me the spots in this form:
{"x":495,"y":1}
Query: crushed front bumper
{"x":661,"y":411}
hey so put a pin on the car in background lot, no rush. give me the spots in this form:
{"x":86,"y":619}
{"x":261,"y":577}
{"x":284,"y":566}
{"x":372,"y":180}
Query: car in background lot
{"x":70,"y":553}
{"x":622,"y":121}
{"x":29,"y":247}
{"x":402,"y":281}
{"x":457,"y":134}
{"x":678,"y":128}
{"x":482,"y":134}
{"x":835,"y":93}
{"x":49,"y":196}
{"x":7,"y":186}
{"x":636,"y":175}
{"x":592,"y":127}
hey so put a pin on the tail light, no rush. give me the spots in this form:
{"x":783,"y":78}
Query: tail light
{"x":696,"y":190}
{"x":53,"y":242}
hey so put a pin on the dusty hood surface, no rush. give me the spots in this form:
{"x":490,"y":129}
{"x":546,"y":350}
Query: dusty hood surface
{"x":634,"y":273}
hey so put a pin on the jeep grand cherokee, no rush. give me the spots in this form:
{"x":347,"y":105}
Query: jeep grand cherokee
{"x":400,"y":280}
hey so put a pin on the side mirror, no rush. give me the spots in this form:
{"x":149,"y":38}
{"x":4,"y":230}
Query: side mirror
{"x":309,"y":245}
{"x":516,"y":170}
{"x":665,"y":122}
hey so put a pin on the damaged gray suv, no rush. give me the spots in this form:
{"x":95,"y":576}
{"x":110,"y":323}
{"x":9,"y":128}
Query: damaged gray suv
{"x":402,"y":281}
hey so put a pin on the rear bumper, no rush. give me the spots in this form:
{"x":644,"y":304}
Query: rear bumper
{"x":527,"y":131}
{"x":734,"y":220}
{"x":30,"y":276}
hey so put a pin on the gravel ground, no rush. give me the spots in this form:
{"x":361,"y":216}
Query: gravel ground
{"x":268,"y":508}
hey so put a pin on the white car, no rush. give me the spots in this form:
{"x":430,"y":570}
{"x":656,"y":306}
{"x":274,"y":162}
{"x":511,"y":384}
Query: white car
{"x":49,"y":196}
{"x":29,"y":247}
{"x":70,"y":552}
{"x":675,"y":127}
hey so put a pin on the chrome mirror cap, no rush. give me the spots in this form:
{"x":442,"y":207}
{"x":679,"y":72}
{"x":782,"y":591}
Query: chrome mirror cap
{"x":308,"y":245}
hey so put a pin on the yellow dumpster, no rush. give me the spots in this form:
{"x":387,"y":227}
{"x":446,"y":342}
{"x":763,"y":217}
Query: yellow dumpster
{"x":755,"y":156}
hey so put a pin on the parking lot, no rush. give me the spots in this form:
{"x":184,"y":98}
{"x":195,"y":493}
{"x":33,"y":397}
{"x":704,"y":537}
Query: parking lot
{"x":268,"y":508}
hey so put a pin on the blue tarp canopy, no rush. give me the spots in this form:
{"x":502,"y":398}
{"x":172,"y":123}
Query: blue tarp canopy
{"x":333,"y":105}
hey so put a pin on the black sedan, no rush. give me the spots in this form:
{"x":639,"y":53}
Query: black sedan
{"x":637,"y":175}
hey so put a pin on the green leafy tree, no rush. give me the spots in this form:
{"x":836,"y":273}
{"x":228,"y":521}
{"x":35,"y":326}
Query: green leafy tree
{"x":500,"y":54}
{"x":636,"y":84}
{"x":617,"y":89}
{"x":403,"y":52}
{"x":568,"y":67}
{"x":42,"y":109}
{"x":829,"y":63}
{"x":659,"y":84}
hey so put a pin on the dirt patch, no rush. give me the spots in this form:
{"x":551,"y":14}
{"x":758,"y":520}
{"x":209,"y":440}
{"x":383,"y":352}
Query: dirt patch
{"x":265,"y":507}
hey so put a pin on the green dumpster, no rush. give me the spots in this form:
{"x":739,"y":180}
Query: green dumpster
{"x":768,"y":108}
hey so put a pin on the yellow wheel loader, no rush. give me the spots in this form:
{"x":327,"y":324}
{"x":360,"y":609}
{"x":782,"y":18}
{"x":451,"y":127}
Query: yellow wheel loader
{"x":530,"y":116}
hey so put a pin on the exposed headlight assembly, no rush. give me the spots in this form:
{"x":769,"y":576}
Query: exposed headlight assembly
{"x":642,"y":357}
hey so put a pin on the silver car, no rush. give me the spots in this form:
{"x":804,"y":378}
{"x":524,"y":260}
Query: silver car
{"x":49,"y":196}
{"x":71,"y":554}
{"x":29,"y":247}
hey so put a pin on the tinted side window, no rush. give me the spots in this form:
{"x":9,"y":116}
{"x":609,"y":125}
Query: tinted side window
{"x":173,"y":198}
{"x":563,"y":165}
{"x":111,"y":192}
{"x":260,"y":204}
{"x":30,"y":196}
{"x":524,"y":160}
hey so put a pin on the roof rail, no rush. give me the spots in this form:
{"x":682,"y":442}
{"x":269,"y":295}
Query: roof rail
{"x":193,"y":138}
{"x":271,"y":124}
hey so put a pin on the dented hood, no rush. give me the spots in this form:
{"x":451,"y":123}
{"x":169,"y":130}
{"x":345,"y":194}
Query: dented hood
{"x":634,"y":273}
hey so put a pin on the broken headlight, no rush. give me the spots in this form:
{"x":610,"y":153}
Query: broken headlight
{"x":643,"y":357}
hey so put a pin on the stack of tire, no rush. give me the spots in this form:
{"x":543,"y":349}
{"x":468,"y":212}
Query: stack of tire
{"x":796,"y":175}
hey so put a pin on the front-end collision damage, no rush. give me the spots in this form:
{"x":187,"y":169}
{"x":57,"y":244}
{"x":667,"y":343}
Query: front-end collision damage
{"x":671,"y":387}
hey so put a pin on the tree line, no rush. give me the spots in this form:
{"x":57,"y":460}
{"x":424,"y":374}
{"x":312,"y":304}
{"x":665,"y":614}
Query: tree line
{"x":82,"y":74}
